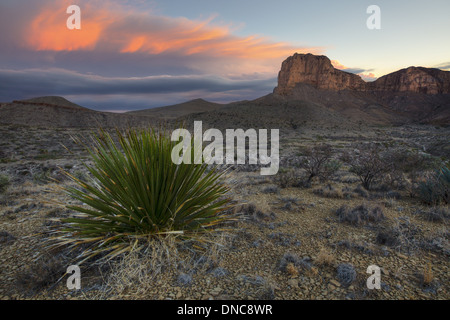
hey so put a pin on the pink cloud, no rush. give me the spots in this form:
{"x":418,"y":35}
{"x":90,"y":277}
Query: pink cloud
{"x":111,"y":27}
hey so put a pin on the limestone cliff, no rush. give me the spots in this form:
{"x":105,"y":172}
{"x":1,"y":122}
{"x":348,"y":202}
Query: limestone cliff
{"x":318,"y":72}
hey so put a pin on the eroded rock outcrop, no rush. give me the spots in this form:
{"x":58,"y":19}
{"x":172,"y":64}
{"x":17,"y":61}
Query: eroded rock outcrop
{"x":414,"y":79}
{"x":318,"y":72}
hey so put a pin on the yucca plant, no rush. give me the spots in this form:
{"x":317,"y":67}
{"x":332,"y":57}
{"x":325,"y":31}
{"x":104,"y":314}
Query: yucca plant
{"x":138,"y":193}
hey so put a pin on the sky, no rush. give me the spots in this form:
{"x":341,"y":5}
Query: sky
{"x":135,"y":54}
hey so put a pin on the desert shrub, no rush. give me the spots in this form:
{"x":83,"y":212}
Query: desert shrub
{"x":403,"y":235}
{"x":407,"y":165}
{"x":138,"y":193}
{"x":289,"y":202}
{"x":329,"y":191}
{"x":251,"y":212}
{"x":286,"y":178}
{"x":369,"y":163}
{"x":4,"y":183}
{"x":271,"y":189}
{"x":359,"y":190}
{"x":436,"y":189}
{"x":436,"y":214}
{"x":438,"y":241}
{"x":318,"y":162}
{"x":346,"y":274}
{"x":360,"y":214}
{"x":291,"y":263}
{"x":287,"y":260}
{"x":41,"y":274}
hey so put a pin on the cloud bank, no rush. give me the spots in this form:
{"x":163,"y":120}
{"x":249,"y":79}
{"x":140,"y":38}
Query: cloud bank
{"x":122,"y":51}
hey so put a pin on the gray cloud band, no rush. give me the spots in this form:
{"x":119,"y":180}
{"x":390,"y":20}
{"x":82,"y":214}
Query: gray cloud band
{"x":34,"y":82}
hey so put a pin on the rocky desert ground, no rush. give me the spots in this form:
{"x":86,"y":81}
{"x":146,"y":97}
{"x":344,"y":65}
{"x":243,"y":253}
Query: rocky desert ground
{"x":298,"y":238}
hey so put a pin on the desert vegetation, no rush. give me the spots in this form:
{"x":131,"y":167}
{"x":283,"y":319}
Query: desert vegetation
{"x":338,"y":204}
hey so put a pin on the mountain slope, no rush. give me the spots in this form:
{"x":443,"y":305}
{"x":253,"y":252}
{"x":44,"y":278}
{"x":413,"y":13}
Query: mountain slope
{"x":175,"y":111}
{"x":59,"y":112}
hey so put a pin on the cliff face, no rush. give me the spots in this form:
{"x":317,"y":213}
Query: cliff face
{"x":414,"y":79}
{"x":318,"y":72}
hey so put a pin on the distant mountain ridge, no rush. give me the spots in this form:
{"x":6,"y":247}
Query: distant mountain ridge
{"x":310,"y":92}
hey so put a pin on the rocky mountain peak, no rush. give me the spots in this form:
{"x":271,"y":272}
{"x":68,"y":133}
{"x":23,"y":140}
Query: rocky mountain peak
{"x":318,"y":72}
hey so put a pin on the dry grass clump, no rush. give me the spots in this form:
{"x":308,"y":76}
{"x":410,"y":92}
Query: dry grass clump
{"x":436,"y":214}
{"x":291,"y":264}
{"x":325,"y":258}
{"x":135,"y":273}
{"x":427,"y":275}
{"x":286,"y":178}
{"x":291,"y":269}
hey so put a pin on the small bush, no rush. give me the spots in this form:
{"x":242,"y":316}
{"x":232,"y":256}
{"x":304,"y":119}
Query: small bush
{"x":436,"y":214}
{"x":436,"y":189}
{"x":402,"y":236}
{"x":346,"y":274}
{"x":286,"y":178}
{"x":370,"y":164}
{"x":360,"y":214}
{"x":40,"y":275}
{"x":287,"y":260}
{"x":407,"y":165}
{"x":437,"y":242}
{"x":318,"y":162}
{"x":271,"y":189}
{"x":329,"y":192}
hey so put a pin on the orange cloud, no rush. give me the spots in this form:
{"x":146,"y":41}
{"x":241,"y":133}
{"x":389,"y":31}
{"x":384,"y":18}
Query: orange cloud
{"x":368,"y":76}
{"x":365,"y":76}
{"x":124,"y":30}
{"x":338,"y":65}
{"x":48,"y":30}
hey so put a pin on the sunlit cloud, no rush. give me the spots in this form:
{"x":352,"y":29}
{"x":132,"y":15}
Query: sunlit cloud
{"x":124,"y":30}
{"x":338,"y":65}
{"x":365,"y":74}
